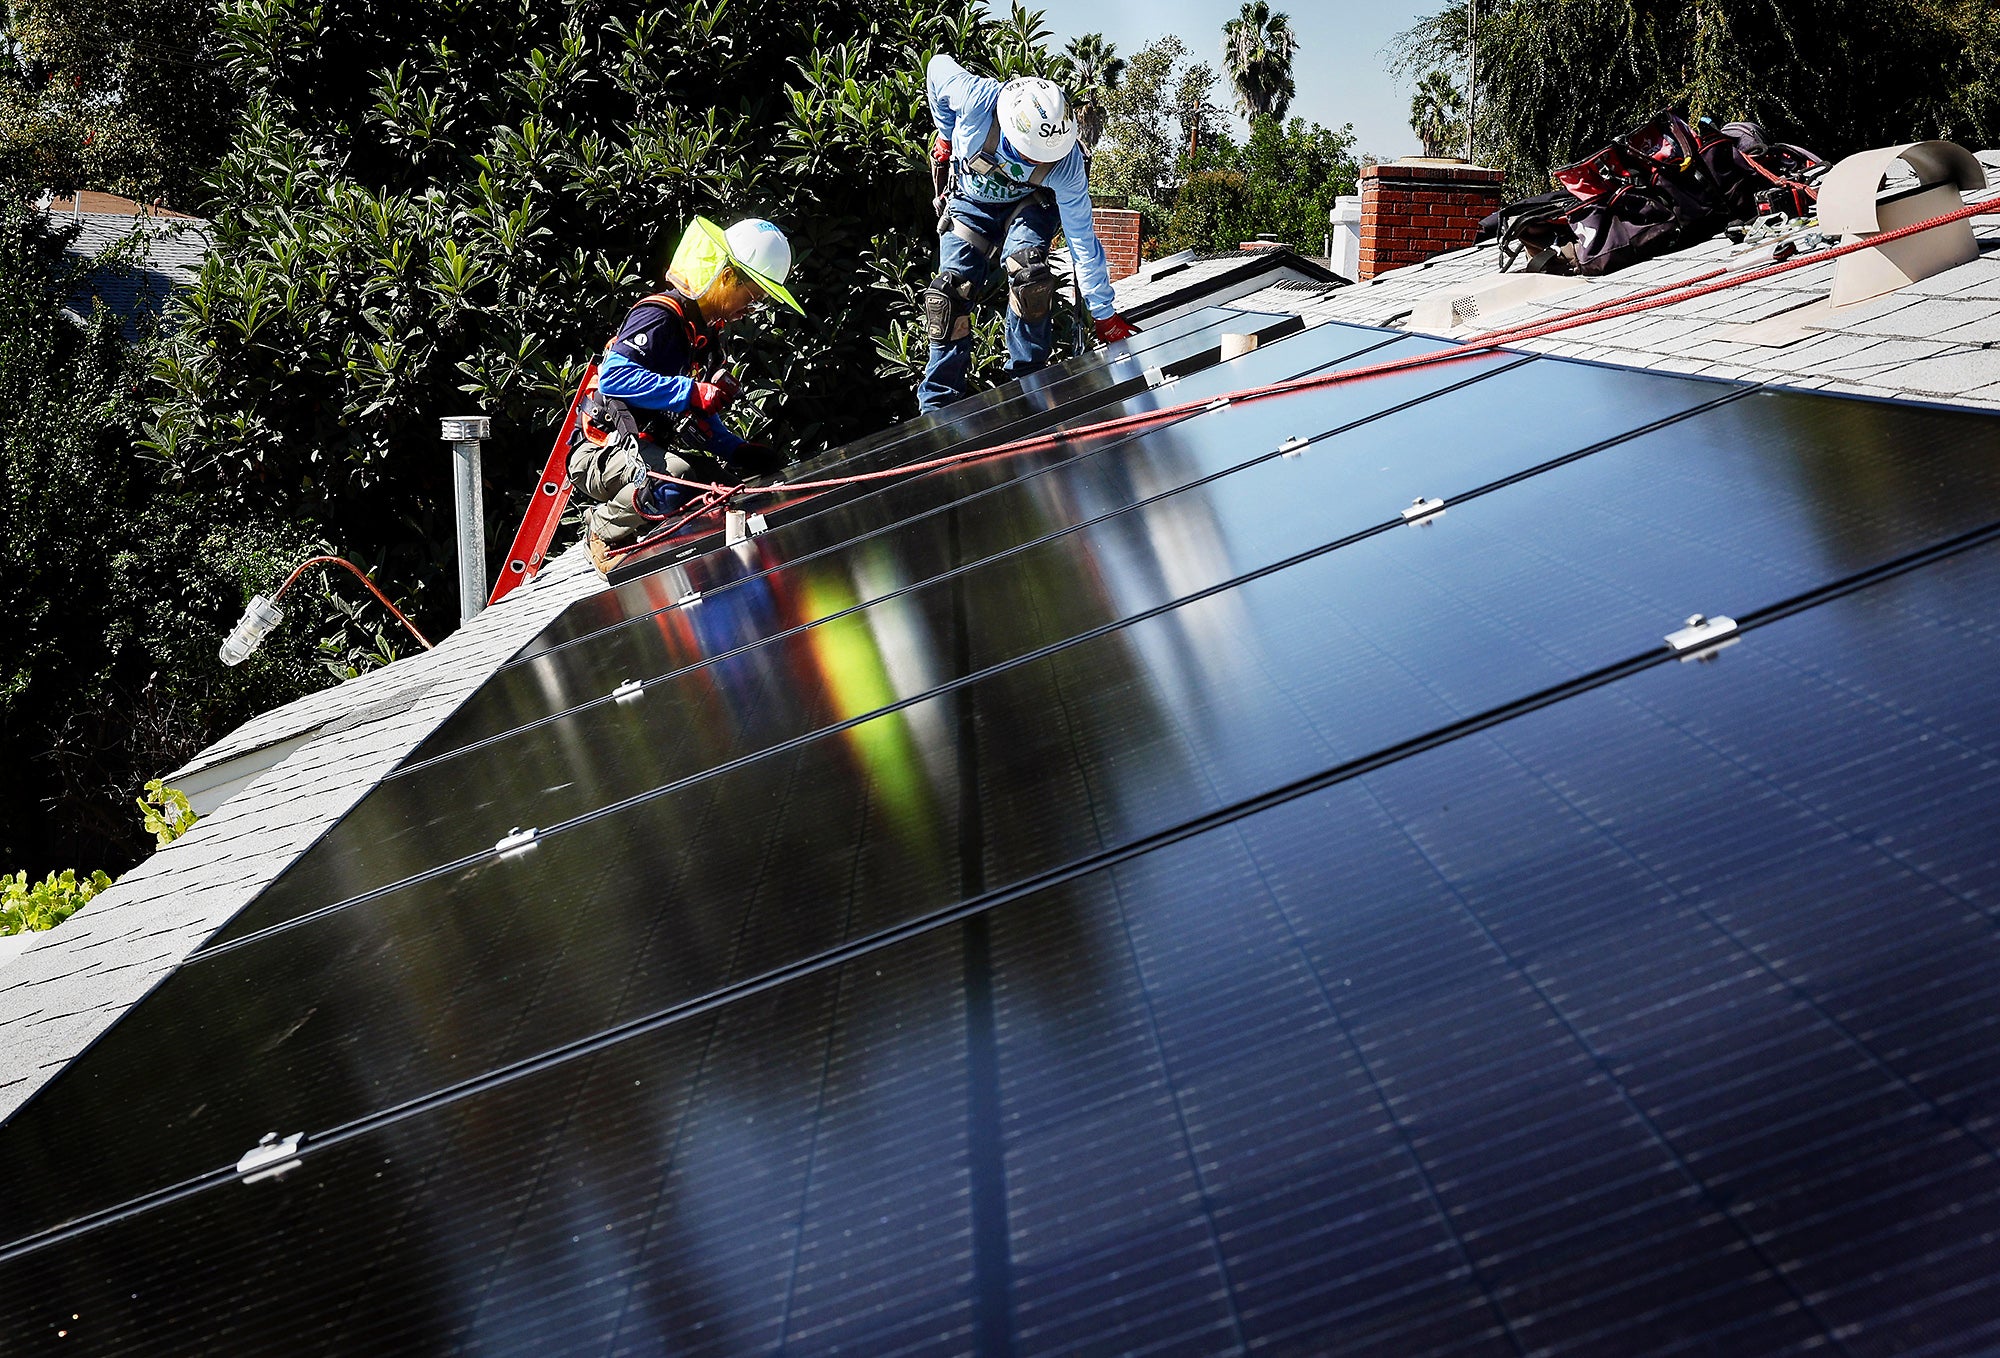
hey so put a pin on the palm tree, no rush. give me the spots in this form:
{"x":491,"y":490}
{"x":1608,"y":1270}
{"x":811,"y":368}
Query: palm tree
{"x":1095,"y":70}
{"x":1435,"y":112}
{"x":1257,"y":50}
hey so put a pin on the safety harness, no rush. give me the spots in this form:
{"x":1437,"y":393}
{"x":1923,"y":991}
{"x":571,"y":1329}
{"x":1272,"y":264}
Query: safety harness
{"x":982,"y":161}
{"x":606,"y":417}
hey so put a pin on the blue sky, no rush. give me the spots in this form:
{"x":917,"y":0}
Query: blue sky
{"x":1339,"y":68}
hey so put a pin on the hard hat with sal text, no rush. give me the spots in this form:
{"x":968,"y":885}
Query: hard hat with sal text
{"x":1035,"y":119}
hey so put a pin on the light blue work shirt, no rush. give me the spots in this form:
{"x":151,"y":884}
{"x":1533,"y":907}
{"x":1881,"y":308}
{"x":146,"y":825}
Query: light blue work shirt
{"x":963,"y":106}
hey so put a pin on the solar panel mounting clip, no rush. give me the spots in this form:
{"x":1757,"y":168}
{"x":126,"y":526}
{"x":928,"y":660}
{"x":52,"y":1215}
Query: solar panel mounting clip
{"x":688,"y":600}
{"x":262,"y":1161}
{"x":1702,"y":637}
{"x":518,"y":839}
{"x":1157,"y":377}
{"x":1422,"y":511}
{"x":1217,"y":404}
{"x":1293,"y":446}
{"x":629,"y":689}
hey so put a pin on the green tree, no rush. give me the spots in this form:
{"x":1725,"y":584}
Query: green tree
{"x":1437,"y":113}
{"x":1210,"y":213}
{"x":1095,"y":70}
{"x":121,"y":95}
{"x":1257,"y":51}
{"x":117,"y":586}
{"x":1282,"y":181}
{"x":1558,"y":78}
{"x":1142,"y":131}
{"x":1294,"y":172}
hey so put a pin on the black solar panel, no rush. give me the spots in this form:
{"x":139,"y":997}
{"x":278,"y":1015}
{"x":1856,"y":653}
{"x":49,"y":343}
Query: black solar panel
{"x":1652,"y":1019}
{"x":1018,"y":500}
{"x":662,"y":891}
{"x":1247,"y":519}
{"x":1011,"y":410}
{"x":1170,"y":896}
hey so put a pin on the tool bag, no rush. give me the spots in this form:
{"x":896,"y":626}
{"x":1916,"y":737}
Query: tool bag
{"x":1776,"y":176}
{"x":1533,"y":227}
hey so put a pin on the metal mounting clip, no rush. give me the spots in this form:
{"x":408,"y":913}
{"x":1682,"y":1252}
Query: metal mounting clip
{"x":629,"y":689}
{"x":261,"y":1161}
{"x":1217,"y":404}
{"x":1422,"y":511}
{"x":519,"y":839}
{"x":1293,"y":446}
{"x":688,"y":600}
{"x":1702,"y":637}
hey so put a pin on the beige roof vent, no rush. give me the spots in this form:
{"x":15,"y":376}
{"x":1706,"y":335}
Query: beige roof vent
{"x":1852,"y":203}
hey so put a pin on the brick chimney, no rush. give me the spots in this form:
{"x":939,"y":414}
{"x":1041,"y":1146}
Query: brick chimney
{"x":1413,"y":209}
{"x":1118,"y":233}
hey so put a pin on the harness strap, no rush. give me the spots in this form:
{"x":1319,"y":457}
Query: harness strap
{"x":982,"y":161}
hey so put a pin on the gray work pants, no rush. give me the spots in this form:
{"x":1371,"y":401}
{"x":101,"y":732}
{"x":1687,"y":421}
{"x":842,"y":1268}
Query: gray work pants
{"x":614,"y":474}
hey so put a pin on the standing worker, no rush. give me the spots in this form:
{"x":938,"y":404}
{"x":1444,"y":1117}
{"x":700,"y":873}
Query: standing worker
{"x":663,"y":381}
{"x":1007,"y":170}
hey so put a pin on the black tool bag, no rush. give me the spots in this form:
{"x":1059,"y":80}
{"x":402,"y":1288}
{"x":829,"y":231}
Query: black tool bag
{"x":1536,"y":228}
{"x":1776,"y":176}
{"x":1661,"y":186}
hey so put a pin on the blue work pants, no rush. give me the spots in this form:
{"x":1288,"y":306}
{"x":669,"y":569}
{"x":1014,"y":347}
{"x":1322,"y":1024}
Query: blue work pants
{"x":1027,"y":341}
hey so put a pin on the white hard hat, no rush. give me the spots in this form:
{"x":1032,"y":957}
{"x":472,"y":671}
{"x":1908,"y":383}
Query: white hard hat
{"x":761,"y":250}
{"x":1035,"y":119}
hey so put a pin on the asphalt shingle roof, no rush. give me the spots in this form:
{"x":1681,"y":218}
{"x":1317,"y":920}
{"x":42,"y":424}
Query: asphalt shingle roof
{"x":1935,"y":340}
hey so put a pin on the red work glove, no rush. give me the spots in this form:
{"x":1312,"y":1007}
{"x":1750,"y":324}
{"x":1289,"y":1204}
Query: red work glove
{"x":1115,"y":327}
{"x":941,"y":150}
{"x":711,"y":397}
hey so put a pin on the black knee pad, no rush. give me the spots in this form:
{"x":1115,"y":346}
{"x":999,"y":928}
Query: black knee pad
{"x":1031,"y":284}
{"x":948,"y":308}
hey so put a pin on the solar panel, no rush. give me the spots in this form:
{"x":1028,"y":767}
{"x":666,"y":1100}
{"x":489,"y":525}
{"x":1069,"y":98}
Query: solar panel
{"x":892,"y":502}
{"x":1006,"y":413}
{"x":1351,"y":655}
{"x":1248,"y":520}
{"x":1654,"y":1018}
{"x":1014,"y":408}
{"x":757,"y":700}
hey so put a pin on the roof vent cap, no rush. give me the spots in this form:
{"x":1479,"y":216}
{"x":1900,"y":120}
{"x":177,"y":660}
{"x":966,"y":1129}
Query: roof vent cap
{"x":1854,"y":202}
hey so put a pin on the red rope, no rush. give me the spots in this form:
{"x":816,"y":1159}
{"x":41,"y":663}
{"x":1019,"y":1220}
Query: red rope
{"x":1664,"y":294}
{"x":360,"y":575}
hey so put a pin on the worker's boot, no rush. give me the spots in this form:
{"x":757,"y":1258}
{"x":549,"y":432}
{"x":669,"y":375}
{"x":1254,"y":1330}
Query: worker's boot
{"x":600,"y":556}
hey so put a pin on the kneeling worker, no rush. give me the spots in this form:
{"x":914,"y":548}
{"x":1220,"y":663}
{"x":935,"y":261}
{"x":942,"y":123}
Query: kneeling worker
{"x":663,"y":381}
{"x":1008,"y":170}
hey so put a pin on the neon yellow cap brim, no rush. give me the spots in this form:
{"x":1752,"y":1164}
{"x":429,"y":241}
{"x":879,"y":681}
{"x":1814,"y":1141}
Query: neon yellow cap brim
{"x":770,"y":285}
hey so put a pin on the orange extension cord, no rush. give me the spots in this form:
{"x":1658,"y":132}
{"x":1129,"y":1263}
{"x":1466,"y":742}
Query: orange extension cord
{"x":360,"y":575}
{"x":1665,"y":294}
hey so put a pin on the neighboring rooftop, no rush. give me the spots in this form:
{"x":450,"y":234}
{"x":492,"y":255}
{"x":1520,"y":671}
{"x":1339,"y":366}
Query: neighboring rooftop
{"x":170,"y":249}
{"x":1936,"y":340}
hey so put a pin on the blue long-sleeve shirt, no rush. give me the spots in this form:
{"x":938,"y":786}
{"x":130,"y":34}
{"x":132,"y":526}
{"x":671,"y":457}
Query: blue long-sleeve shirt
{"x":964,"y":106}
{"x":647,"y":366}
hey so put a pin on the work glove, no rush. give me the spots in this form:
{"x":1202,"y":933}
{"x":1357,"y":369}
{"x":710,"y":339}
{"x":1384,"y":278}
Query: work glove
{"x":1114,"y":327}
{"x":712,"y":397}
{"x":940,"y":181}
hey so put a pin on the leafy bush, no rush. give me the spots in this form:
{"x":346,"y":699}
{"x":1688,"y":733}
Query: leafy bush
{"x":166,"y":813}
{"x":1210,"y":212}
{"x":117,"y":586}
{"x":26,"y":906}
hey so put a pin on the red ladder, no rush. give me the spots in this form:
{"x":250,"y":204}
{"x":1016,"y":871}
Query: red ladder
{"x":538,"y":525}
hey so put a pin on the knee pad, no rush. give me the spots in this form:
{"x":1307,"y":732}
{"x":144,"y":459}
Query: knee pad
{"x":948,"y":308}
{"x":1031,"y":284}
